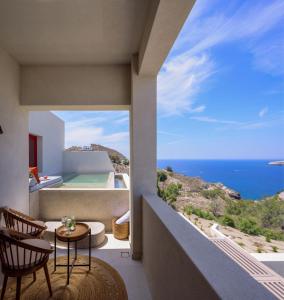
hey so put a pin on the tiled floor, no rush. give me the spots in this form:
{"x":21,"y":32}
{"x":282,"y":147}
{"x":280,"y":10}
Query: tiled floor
{"x":117,"y":254}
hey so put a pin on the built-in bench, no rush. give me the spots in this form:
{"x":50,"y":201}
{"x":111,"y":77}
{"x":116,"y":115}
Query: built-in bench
{"x":49,"y":181}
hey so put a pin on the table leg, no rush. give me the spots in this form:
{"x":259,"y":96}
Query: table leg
{"x":68,"y":251}
{"x":54,"y":250}
{"x":90,"y":240}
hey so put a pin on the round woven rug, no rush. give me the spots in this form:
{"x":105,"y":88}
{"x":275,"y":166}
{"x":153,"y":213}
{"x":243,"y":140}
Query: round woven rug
{"x":102,"y":282}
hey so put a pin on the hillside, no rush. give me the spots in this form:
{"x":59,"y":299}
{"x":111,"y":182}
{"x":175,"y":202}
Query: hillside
{"x":111,"y":152}
{"x":120,"y":162}
{"x":197,"y":192}
{"x":257,"y":226}
{"x":95,"y":147}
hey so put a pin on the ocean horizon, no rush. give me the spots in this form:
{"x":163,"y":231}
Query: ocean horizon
{"x":252,"y":178}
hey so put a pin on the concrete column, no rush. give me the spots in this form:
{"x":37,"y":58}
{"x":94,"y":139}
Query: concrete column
{"x":143,"y":149}
{"x":14,"y":148}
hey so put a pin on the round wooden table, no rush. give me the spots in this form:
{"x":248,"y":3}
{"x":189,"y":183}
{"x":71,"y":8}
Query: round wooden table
{"x":80,"y":232}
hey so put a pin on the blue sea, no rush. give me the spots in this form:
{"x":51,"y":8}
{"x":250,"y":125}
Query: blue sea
{"x":253,"y":179}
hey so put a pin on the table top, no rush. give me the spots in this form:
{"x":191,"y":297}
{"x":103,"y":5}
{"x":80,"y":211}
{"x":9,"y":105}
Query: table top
{"x":81,"y":231}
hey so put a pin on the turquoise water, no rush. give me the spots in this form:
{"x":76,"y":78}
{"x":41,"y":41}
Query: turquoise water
{"x":119,"y":183}
{"x":254,"y":179}
{"x":86,"y":180}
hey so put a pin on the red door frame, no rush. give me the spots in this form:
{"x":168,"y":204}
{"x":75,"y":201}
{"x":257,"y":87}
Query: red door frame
{"x":34,"y":139}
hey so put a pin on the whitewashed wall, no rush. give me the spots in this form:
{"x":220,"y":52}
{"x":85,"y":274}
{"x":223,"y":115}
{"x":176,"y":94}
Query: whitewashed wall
{"x":14,"y":140}
{"x":86,"y":162}
{"x":51,"y":132}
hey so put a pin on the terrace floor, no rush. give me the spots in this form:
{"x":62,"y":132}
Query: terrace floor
{"x":117,"y":254}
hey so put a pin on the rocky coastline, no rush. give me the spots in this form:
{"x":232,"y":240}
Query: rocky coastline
{"x":277,"y":163}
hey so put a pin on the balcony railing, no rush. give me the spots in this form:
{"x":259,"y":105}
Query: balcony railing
{"x":181,"y":263}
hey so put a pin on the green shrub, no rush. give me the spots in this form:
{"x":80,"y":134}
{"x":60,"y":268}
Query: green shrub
{"x":228,"y":221}
{"x":274,"y":249}
{"x":216,"y":206}
{"x":272,"y":234}
{"x":162,"y":176}
{"x":212,"y":194}
{"x":169,"y":169}
{"x":171,"y":192}
{"x":249,"y":226}
{"x":125,"y":162}
{"x":233,"y":208}
{"x":159,"y":191}
{"x":272,"y":212}
{"x":115,"y":158}
{"x":241,"y":244}
{"x":199,"y":212}
{"x":188,"y":209}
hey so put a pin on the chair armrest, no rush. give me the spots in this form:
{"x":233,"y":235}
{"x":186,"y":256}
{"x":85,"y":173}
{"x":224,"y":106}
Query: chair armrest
{"x":34,"y":248}
{"x":17,"y":235}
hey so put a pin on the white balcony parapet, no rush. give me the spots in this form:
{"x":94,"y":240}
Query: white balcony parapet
{"x":181,"y":263}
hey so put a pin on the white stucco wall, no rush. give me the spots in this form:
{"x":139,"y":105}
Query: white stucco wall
{"x":14,"y":141}
{"x":51,"y":132}
{"x":99,"y":205}
{"x":86,"y":162}
{"x":105,"y":85}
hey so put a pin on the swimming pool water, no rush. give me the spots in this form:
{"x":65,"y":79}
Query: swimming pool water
{"x":86,"y":180}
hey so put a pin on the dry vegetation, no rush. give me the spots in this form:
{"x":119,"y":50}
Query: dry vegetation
{"x":254,"y":225}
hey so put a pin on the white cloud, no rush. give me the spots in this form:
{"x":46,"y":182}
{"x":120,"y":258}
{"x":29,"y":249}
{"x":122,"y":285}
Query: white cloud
{"x":263,"y":112}
{"x":169,"y":133}
{"x":212,"y":120}
{"x":100,"y":127}
{"x":81,"y":136}
{"x":122,"y":120}
{"x":269,"y":57}
{"x":236,"y":125}
{"x":254,"y":125}
{"x":85,"y":122}
{"x":184,"y":73}
{"x":179,"y":80}
{"x":203,"y":32}
{"x":198,"y":109}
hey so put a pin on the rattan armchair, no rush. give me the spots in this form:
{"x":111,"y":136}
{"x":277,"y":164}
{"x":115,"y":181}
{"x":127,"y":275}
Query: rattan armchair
{"x":22,"y":223}
{"x":22,"y":257}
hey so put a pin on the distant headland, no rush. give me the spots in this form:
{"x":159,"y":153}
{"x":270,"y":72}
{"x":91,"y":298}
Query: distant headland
{"x":277,"y":163}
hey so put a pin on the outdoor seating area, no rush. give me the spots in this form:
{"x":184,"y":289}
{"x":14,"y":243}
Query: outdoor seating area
{"x":27,"y":245}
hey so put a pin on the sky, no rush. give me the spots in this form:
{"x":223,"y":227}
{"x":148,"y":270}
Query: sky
{"x":220,"y":91}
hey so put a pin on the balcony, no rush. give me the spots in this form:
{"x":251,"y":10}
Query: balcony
{"x":105,"y":55}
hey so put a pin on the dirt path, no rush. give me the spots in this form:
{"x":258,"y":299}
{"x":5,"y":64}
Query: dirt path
{"x":250,"y":243}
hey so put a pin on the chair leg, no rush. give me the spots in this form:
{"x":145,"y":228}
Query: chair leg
{"x":4,"y":286}
{"x":47,"y":279}
{"x":18,"y":292}
{"x":34,"y":276}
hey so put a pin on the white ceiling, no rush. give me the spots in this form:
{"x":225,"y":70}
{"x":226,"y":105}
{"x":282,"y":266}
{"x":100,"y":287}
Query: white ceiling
{"x":72,"y":31}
